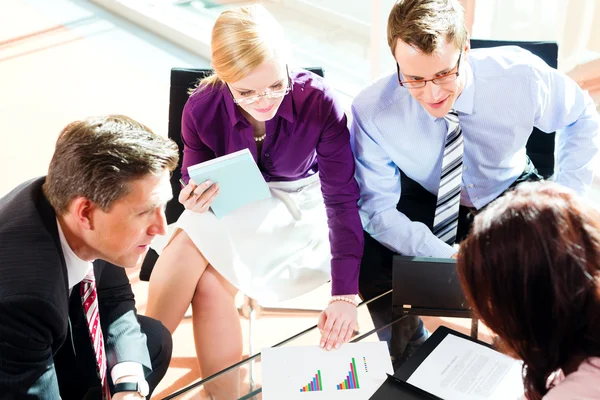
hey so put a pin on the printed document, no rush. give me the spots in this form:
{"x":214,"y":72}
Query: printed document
{"x":460,"y":369}
{"x":354,"y":371}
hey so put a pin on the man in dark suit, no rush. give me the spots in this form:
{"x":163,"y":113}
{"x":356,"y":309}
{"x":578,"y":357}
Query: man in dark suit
{"x":64,"y":241}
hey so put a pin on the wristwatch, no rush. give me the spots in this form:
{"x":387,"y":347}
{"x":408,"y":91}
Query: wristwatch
{"x":141,"y":387}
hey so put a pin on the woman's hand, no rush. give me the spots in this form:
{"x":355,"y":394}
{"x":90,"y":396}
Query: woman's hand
{"x":198,"y":198}
{"x":337,"y":323}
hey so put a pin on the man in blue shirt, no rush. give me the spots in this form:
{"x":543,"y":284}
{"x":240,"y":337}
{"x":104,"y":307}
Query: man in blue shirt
{"x":409,"y":148}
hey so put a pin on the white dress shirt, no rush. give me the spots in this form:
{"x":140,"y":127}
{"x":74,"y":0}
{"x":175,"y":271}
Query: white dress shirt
{"x":507,"y":92}
{"x":77,"y":269}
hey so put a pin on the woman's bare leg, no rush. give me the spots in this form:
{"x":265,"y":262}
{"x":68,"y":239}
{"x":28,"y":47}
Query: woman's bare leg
{"x":174,"y":279}
{"x":182,"y":276}
{"x":217,"y":332}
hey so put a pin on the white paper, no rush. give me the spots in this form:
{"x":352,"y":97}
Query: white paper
{"x":459,"y":369}
{"x":286,"y":370}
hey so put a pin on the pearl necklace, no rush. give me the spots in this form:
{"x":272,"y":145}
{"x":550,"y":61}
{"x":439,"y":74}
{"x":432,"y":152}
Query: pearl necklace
{"x":260,"y":138}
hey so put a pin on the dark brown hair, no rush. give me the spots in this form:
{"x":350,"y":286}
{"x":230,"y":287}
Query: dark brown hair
{"x":96,"y":158}
{"x":531,"y":269}
{"x":427,"y":24}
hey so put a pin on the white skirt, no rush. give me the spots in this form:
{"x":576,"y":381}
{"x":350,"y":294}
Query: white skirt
{"x":271,"y":250}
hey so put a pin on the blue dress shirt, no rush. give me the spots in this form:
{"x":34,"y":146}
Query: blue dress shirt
{"x":507,"y":92}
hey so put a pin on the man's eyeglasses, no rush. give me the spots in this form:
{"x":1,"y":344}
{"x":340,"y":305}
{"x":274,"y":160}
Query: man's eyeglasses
{"x":269,"y":94}
{"x":438,"y":80}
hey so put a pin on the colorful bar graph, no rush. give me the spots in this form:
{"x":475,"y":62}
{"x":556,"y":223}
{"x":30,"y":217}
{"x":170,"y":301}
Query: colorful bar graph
{"x":351,"y":381}
{"x":315,"y":385}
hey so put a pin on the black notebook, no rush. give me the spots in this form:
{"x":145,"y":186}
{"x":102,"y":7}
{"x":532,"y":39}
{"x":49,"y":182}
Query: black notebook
{"x":394,"y":388}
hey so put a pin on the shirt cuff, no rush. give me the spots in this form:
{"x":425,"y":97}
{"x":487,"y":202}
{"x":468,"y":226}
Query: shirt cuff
{"x":439,"y":249}
{"x":127,"y":368}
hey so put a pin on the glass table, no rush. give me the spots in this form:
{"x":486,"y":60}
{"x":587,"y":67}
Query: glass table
{"x":243,"y":380}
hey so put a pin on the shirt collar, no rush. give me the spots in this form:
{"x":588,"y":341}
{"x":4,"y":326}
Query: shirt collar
{"x":77,"y":268}
{"x":464,"y":102}
{"x":286,"y":108}
{"x":234,"y":112}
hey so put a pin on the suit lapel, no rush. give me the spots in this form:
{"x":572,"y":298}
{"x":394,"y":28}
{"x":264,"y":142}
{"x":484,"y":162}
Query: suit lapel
{"x":48,"y":217}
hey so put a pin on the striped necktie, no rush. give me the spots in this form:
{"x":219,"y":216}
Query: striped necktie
{"x":89,"y":300}
{"x":445,"y":222}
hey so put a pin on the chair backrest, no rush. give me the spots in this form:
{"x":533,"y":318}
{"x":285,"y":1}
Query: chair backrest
{"x":182,"y":80}
{"x":540,"y":147}
{"x":428,"y":286}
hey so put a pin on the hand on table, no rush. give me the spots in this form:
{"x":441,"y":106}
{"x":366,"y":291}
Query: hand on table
{"x":337,"y":323}
{"x":198,"y":198}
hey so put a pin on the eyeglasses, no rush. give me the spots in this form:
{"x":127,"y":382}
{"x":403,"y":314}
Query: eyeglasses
{"x":269,"y":94}
{"x":438,"y":80}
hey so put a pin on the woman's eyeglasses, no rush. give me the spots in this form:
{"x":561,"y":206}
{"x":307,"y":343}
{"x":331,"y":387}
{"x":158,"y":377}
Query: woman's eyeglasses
{"x":269,"y":94}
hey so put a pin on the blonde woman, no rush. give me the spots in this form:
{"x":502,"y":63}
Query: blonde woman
{"x":308,"y":233}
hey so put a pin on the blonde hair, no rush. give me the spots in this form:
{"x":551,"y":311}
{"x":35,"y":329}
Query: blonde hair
{"x":242,"y":39}
{"x":427,"y":24}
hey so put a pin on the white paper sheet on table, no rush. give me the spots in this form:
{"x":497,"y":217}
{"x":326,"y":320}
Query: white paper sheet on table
{"x":459,"y":369}
{"x":286,"y":371}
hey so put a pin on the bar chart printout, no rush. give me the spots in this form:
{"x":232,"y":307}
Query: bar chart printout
{"x":351,"y":381}
{"x":316,"y":385}
{"x":312,"y":373}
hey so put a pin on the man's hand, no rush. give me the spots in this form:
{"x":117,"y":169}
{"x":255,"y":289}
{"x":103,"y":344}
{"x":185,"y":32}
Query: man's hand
{"x":337,"y":323}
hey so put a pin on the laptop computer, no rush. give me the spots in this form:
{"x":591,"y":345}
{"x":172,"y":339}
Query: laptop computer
{"x":428,"y":286}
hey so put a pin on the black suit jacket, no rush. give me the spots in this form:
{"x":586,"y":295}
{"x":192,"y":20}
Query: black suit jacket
{"x":38,"y":323}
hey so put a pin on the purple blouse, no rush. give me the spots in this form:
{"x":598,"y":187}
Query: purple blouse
{"x":308,"y":134}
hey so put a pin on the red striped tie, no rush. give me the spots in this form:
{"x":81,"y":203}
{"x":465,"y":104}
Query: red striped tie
{"x":89,"y":299}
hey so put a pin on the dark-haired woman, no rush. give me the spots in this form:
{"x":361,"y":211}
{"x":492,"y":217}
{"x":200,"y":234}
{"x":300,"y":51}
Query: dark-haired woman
{"x":531,"y":270}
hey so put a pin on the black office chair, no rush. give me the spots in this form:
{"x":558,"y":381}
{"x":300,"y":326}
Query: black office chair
{"x":540,"y":148}
{"x":182,"y":80}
